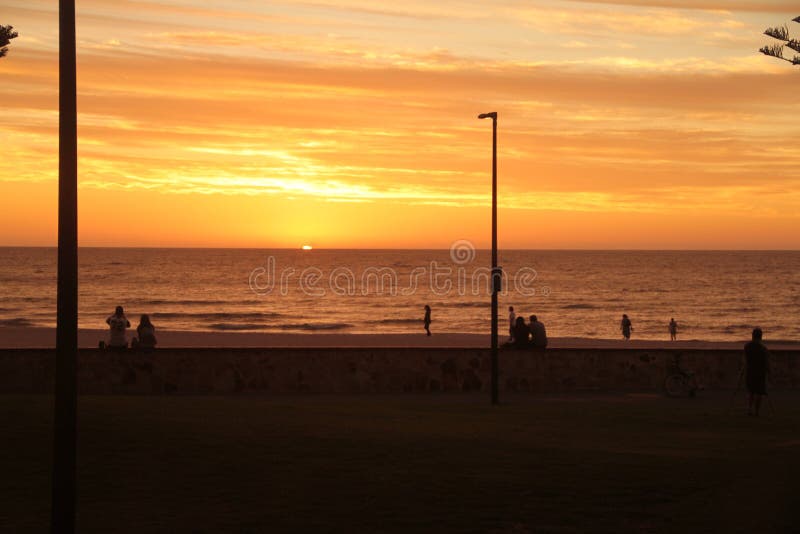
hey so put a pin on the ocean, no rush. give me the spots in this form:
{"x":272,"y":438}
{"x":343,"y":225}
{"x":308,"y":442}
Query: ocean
{"x":715,"y":296}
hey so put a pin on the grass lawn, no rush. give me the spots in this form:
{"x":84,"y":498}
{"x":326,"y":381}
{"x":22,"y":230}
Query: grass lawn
{"x":438,"y":463}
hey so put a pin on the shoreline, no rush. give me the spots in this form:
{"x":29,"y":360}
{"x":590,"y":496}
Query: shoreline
{"x":40,"y":337}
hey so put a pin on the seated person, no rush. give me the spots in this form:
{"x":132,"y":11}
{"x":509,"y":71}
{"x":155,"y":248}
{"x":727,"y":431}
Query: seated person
{"x":538,"y":333}
{"x":147,"y":334}
{"x":117,"y":324}
{"x":521,"y":333}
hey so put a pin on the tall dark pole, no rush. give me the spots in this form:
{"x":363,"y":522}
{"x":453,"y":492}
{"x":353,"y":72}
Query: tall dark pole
{"x":496,"y":276}
{"x":65,"y":446}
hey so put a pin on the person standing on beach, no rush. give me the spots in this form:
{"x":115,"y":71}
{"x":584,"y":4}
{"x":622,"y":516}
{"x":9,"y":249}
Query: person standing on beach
{"x":626,"y":327}
{"x":756,"y":360}
{"x":538,"y":333}
{"x":117,"y":323}
{"x":512,"y":318}
{"x":673,"y":330}
{"x":427,"y":320}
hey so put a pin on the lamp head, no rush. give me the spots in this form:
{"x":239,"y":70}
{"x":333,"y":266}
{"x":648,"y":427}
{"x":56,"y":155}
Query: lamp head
{"x":492,"y":115}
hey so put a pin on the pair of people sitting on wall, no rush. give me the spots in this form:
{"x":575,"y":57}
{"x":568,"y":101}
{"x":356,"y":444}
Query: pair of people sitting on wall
{"x":533,"y":335}
{"x":117,"y":340}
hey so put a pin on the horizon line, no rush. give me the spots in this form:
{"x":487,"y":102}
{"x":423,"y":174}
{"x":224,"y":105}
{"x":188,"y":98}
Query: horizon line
{"x":501,"y":249}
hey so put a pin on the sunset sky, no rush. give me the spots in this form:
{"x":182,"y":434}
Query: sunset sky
{"x":629,"y":124}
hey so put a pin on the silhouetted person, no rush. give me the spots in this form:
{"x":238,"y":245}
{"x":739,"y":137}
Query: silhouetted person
{"x":427,"y":320}
{"x":626,"y":327}
{"x":520,"y":333}
{"x":538,"y":333}
{"x":756,"y":358}
{"x":147,"y":334}
{"x":117,"y":324}
{"x":673,"y":330}
{"x":512,"y":318}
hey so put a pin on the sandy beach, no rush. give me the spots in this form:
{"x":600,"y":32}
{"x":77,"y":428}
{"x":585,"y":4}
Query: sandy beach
{"x":88,"y":338}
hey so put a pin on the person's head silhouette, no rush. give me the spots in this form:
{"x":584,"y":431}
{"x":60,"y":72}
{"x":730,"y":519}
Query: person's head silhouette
{"x":118,"y":311}
{"x":757,"y":334}
{"x":533,"y":318}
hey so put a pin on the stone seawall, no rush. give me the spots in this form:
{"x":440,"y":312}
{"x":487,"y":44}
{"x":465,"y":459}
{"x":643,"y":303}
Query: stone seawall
{"x":378,"y":370}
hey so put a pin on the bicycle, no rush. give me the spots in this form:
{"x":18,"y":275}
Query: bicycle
{"x":680,"y":382}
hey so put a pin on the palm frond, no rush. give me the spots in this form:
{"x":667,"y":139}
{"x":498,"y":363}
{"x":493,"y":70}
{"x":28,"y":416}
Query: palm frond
{"x":781,"y":33}
{"x":772,"y":50}
{"x":778,"y":32}
{"x":6,"y":34}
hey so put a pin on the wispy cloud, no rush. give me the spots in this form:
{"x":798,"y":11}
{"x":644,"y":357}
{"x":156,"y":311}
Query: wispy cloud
{"x":631,"y":108}
{"x":760,"y":6}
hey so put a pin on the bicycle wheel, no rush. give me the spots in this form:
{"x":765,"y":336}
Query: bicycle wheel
{"x":676,"y":386}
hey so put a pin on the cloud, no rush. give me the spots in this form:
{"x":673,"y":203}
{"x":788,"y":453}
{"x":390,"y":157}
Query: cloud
{"x":372,"y":113}
{"x":760,"y":6}
{"x":659,"y":22}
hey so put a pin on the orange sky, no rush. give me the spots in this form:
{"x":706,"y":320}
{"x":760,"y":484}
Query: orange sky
{"x":631,"y":124}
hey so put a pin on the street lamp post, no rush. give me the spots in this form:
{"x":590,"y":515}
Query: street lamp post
{"x":65,"y":434}
{"x":496,"y":272}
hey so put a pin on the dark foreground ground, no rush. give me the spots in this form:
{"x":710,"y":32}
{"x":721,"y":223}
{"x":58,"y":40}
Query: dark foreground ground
{"x":446,"y":463}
